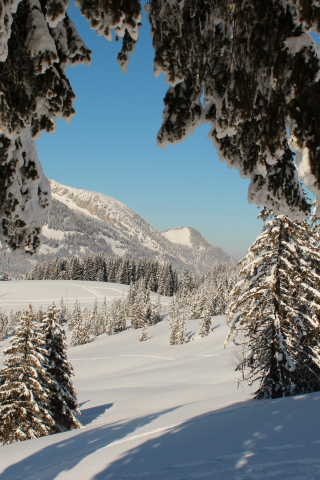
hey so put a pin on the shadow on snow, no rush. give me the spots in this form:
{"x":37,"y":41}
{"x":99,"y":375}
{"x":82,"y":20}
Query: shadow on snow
{"x":276,"y":439}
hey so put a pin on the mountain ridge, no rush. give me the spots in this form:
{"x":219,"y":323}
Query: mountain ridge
{"x":81,"y":222}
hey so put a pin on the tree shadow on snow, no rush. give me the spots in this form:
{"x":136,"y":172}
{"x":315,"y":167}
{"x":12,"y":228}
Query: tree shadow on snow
{"x":254,"y":439}
{"x":88,"y":415}
{"x":72,"y":447}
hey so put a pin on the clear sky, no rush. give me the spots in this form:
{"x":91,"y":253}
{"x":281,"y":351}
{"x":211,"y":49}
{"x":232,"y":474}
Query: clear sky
{"x":110,"y":147}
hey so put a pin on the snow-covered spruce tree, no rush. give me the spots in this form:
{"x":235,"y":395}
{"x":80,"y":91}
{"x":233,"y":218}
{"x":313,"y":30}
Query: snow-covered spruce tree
{"x":95,"y":320}
{"x":144,"y":334}
{"x":76,"y":315}
{"x":205,"y":322}
{"x":104,"y":314}
{"x":63,"y":398}
{"x":117,"y":316}
{"x":37,"y":42}
{"x":275,"y":309}
{"x":24,"y":391}
{"x":156,"y":310}
{"x":178,"y":318}
{"x":80,"y":328}
{"x":140,"y":307}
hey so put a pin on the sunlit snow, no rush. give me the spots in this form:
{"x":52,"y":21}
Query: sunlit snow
{"x":153,"y":411}
{"x":179,"y":235}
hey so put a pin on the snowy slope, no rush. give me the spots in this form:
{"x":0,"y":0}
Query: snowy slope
{"x":157,"y":412}
{"x":179,"y":235}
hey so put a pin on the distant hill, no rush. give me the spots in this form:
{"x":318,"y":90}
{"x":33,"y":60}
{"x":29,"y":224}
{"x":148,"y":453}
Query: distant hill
{"x":84,"y":223}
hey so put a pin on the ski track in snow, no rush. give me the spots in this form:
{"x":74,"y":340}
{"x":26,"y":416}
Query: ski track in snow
{"x":121,"y":356}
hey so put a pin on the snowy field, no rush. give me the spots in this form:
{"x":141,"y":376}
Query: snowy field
{"x":17,"y":295}
{"x":155,"y":412}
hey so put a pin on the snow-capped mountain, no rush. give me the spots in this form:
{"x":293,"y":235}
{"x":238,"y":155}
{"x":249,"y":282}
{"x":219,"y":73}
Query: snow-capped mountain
{"x":84,"y":223}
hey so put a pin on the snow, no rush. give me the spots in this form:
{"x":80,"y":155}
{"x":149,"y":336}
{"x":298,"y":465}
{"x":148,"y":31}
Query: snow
{"x":295,"y":44}
{"x":157,"y":412}
{"x":44,"y":249}
{"x":51,"y":233}
{"x":73,"y":206}
{"x":116,"y":246}
{"x":180,"y":236}
{"x":16,"y":295}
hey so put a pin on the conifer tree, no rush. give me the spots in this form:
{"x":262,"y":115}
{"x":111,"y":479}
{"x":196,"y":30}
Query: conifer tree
{"x":144,"y":334}
{"x":4,"y":325}
{"x":95,"y":321}
{"x":76,"y":315}
{"x":63,"y":398}
{"x":156,"y":310}
{"x":140,"y":307}
{"x":275,"y":309}
{"x":178,"y":322}
{"x":104,"y":314}
{"x":205,"y":323}
{"x":80,"y":334}
{"x":109,"y":322}
{"x":24,"y":391}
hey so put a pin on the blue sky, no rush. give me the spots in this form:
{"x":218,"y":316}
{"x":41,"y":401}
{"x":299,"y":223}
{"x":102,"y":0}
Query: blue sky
{"x":110,"y":147}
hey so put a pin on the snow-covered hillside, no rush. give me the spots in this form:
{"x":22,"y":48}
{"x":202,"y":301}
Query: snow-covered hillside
{"x":157,"y":412}
{"x":89,"y":223}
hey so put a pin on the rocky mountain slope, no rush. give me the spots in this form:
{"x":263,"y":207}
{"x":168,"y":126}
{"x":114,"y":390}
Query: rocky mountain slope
{"x":82,"y":222}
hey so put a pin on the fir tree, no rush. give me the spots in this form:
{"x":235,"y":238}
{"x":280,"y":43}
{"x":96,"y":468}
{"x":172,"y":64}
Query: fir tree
{"x":24,"y":391}
{"x":80,"y":334}
{"x":275,"y":309}
{"x":178,"y":322}
{"x":63,"y":398}
{"x":156,"y":310}
{"x":205,"y":323}
{"x":95,"y":321}
{"x":144,"y":334}
{"x":140,"y":307}
{"x":104,"y":314}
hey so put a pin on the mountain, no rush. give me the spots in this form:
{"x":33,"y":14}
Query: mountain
{"x":89,"y":223}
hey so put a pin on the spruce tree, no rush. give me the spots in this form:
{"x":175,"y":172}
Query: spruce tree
{"x":205,"y":322}
{"x":275,"y":309}
{"x":140,"y":307}
{"x":156,"y":310}
{"x":95,"y":320}
{"x":63,"y":398}
{"x":25,"y":385}
{"x":104,"y":314}
{"x":144,"y":334}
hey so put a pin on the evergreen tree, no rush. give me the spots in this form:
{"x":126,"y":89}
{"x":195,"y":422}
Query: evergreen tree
{"x":156,"y":310}
{"x":63,"y":398}
{"x":95,"y":320}
{"x":80,"y":334}
{"x":141,"y":308}
{"x":205,"y":323}
{"x":275,"y":309}
{"x":104,"y":313}
{"x":76,"y":315}
{"x":144,"y":334}
{"x":178,"y":322}
{"x":4,"y":325}
{"x":24,"y":391}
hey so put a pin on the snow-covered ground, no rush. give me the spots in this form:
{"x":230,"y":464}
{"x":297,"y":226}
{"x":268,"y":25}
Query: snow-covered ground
{"x":153,"y":411}
{"x":179,"y":235}
{"x":18,"y":294}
